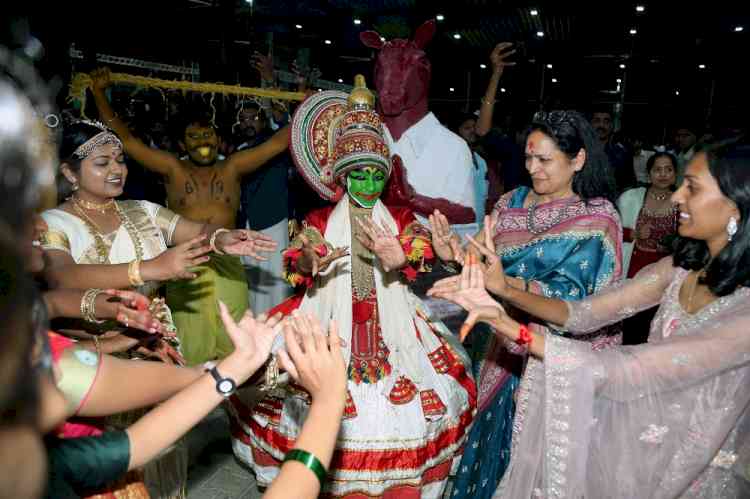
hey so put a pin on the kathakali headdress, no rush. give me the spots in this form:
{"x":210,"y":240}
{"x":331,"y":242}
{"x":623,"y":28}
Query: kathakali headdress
{"x":334,"y":133}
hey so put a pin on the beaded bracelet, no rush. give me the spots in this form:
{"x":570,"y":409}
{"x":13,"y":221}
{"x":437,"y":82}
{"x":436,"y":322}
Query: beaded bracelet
{"x":310,"y":461}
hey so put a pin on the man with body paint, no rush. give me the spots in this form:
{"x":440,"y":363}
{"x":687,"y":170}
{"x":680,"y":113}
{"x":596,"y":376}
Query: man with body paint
{"x":203,"y":188}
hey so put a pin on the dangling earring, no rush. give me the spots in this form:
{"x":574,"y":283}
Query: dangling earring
{"x":75,"y":186}
{"x":731,"y":228}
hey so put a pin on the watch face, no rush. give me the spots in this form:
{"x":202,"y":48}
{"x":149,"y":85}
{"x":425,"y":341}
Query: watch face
{"x":225,"y":386}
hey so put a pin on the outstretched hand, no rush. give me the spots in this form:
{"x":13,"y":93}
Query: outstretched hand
{"x":132,"y":310}
{"x":312,"y":263}
{"x":499,"y":56}
{"x":314,"y":359}
{"x":468,"y":291}
{"x":492,"y":268}
{"x":245,"y":242}
{"x":445,"y":242}
{"x":252,"y":338}
{"x":382,"y":243}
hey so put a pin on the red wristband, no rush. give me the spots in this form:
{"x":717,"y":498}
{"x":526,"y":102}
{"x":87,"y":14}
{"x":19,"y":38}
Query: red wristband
{"x":524,"y":336}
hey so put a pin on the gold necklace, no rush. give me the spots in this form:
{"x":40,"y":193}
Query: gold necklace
{"x":102,"y":250}
{"x":90,"y":205}
{"x":658,"y":197}
{"x":363,"y":275}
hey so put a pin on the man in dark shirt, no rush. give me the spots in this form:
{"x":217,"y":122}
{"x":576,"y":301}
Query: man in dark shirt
{"x":264,"y":207}
{"x":620,"y":159}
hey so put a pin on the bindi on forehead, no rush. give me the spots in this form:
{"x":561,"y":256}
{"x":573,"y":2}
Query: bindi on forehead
{"x":532,"y":146}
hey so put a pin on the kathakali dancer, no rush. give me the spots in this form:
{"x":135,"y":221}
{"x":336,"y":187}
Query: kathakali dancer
{"x":410,"y":395}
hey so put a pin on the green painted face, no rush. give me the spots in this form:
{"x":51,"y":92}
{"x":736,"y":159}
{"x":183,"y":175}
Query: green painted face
{"x":365,"y":185}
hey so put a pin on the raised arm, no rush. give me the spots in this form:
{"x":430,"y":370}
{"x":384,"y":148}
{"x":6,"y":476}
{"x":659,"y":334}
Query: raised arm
{"x":249,"y":160}
{"x":158,"y":161}
{"x":498,"y":58}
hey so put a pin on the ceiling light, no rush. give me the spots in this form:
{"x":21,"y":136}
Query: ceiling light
{"x":440,"y":17}
{"x":341,"y":80}
{"x":483,"y":66}
{"x":737,"y":29}
{"x":554,"y":80}
{"x":633,"y":31}
{"x":358,"y":21}
{"x":540,"y":34}
{"x":622,"y":66}
{"x":534,"y":12}
{"x":677,"y":92}
{"x":456,"y":36}
{"x":328,"y":42}
{"x":549,"y":66}
{"x":502,"y":89}
{"x":619,"y":80}
{"x":382,"y":38}
{"x":298,"y":26}
{"x":452,"y":89}
{"x":640,"y":8}
{"x":701,"y":66}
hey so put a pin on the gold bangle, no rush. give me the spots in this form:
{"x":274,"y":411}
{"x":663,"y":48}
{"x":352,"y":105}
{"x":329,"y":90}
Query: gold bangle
{"x":212,"y":241}
{"x":134,"y":273}
{"x":88,"y":305}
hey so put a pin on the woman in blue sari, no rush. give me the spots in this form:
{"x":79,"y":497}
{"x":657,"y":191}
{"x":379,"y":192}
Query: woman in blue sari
{"x":562,"y":238}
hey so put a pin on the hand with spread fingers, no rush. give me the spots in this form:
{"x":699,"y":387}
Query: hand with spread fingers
{"x":499,"y":56}
{"x":243,"y":242}
{"x":310,"y":262}
{"x":175,"y":262}
{"x":445,"y":242}
{"x":468,"y":291}
{"x":492,"y":268}
{"x":313,"y":358}
{"x":252,"y":338}
{"x":382,"y":243}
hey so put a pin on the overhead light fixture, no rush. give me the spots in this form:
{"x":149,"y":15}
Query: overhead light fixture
{"x":298,"y":26}
{"x":737,"y":29}
{"x":328,"y":42}
{"x":502,"y":89}
{"x":456,"y":36}
{"x":534,"y":12}
{"x":483,"y":66}
{"x":677,"y":92}
{"x":452,"y":89}
{"x":382,"y":38}
{"x":549,"y":66}
{"x":701,"y":66}
{"x":622,"y":66}
{"x":554,"y":80}
{"x":540,"y":34}
{"x":619,"y":80}
{"x":341,"y":80}
{"x":440,"y":17}
{"x":640,"y":8}
{"x":633,"y":31}
{"x":358,"y":21}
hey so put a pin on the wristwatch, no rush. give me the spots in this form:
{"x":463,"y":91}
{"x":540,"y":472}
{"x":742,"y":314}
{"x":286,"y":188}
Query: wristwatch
{"x":225,"y":386}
